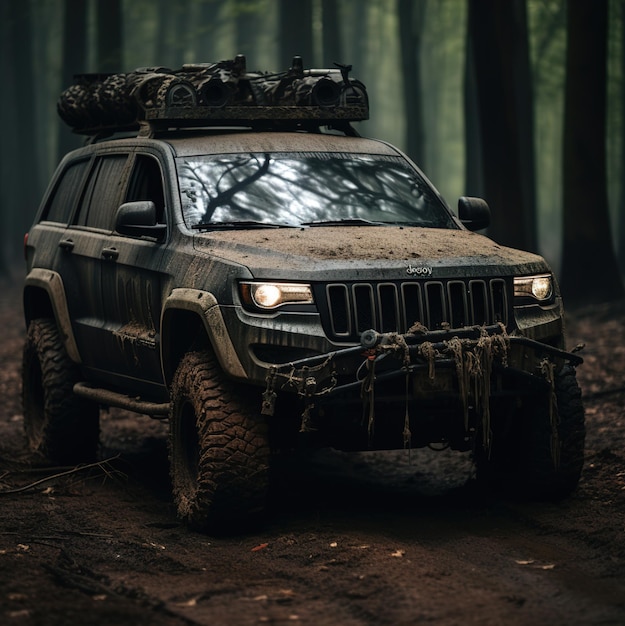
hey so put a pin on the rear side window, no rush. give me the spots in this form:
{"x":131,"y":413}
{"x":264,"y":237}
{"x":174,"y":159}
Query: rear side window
{"x":102,"y":193}
{"x":63,"y":199}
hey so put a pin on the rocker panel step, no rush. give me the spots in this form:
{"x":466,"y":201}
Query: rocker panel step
{"x":121,"y":401}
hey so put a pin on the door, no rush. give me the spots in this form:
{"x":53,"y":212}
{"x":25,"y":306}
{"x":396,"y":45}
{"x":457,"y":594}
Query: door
{"x":134,"y":280}
{"x":83,"y":249}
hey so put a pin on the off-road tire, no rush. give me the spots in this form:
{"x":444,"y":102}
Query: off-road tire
{"x":527,"y":460}
{"x":175,"y":92}
{"x":219,"y":453}
{"x":61,"y":428}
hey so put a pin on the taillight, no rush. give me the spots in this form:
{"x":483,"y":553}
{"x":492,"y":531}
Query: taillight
{"x":25,"y":244}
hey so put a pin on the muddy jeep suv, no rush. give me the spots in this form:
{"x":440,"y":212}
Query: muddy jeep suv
{"x":227,"y":263}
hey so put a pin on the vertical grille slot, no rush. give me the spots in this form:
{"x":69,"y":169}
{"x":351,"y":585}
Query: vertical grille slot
{"x":389,"y":308}
{"x":435,"y":309}
{"x":413,"y":304}
{"x":340,"y":311}
{"x":499,"y":300}
{"x":458,"y":311}
{"x":478,"y":298}
{"x":364,"y":307}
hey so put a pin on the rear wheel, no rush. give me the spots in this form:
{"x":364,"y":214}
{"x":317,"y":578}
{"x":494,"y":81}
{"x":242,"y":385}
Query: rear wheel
{"x":219,"y":453}
{"x":540,"y":453}
{"x":60,"y":427}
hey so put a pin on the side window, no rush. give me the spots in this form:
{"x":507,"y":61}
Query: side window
{"x":102,"y":193}
{"x":61,"y":203}
{"x":146,"y":183}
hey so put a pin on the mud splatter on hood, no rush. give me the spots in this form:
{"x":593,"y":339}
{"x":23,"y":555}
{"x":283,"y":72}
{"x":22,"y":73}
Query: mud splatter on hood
{"x":282,"y":252}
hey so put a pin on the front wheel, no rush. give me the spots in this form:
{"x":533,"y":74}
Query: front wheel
{"x":219,"y":454}
{"x":538,"y":453}
{"x":60,"y":427}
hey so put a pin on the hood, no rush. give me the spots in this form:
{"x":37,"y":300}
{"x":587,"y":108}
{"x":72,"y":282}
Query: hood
{"x":383,"y":252}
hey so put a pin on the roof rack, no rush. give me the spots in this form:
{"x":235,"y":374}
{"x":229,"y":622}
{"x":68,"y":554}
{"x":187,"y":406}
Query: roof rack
{"x":153,"y":99}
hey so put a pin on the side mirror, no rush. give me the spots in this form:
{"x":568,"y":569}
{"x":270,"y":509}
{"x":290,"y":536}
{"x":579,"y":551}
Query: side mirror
{"x":474,"y":213}
{"x":138,"y":219}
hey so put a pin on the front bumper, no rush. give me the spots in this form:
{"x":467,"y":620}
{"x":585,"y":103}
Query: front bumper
{"x":464,"y":369}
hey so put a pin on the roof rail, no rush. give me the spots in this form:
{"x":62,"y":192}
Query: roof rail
{"x":153,"y":99}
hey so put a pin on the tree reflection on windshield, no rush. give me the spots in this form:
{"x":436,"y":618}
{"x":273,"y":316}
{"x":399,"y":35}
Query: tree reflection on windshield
{"x":299,"y":188}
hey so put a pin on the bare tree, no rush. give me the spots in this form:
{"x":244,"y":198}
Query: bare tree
{"x":498,"y":35}
{"x":26,"y":180}
{"x":411,"y":14}
{"x":73,"y":61}
{"x":246,"y":26}
{"x":172,"y":36}
{"x":110,"y":36}
{"x":589,"y":268}
{"x":331,"y":34}
{"x":295,"y":31}
{"x":473,"y":174}
{"x":621,"y":212}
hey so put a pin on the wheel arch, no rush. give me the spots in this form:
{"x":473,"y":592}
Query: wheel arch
{"x":192,"y":319}
{"x":44,"y":296}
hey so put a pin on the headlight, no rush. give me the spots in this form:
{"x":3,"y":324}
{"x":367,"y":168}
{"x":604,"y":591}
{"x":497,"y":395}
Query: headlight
{"x":270,"y":296}
{"x":538,"y":287}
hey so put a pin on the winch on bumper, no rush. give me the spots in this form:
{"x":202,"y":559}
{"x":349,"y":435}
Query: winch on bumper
{"x":418,"y":388}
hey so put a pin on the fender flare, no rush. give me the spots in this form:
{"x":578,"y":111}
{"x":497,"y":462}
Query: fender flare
{"x":206,"y":307}
{"x":52,"y":283}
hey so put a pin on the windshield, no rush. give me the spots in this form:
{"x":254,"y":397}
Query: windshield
{"x":294,"y":189}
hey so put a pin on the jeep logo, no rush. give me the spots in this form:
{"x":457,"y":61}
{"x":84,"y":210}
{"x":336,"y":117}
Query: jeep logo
{"x":420,"y":270}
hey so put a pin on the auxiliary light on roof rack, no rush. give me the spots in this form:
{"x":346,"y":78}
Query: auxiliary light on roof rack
{"x":213,"y":94}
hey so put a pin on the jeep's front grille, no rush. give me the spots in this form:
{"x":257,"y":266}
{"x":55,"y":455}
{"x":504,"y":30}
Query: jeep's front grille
{"x":348,"y":309}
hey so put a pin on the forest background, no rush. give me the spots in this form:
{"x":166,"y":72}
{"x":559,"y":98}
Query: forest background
{"x":517,"y":101}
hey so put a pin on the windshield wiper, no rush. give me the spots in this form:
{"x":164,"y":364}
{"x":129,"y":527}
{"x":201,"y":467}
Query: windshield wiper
{"x":242,"y":224}
{"x":356,"y":221}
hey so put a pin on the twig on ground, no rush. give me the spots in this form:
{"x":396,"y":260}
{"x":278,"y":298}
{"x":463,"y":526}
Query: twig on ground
{"x":102,"y":465}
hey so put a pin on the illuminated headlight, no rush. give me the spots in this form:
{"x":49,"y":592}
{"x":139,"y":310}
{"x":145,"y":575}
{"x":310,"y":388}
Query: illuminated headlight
{"x":273,"y":295}
{"x":538,"y":287}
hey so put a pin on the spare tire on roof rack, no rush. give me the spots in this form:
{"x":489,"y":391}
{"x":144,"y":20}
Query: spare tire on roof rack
{"x":213,"y":94}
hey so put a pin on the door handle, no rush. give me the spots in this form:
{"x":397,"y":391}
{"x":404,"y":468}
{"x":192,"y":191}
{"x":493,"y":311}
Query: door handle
{"x":110,"y":254}
{"x":66,"y":244}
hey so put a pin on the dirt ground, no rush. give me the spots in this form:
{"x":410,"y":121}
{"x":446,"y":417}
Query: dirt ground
{"x":376,"y":538}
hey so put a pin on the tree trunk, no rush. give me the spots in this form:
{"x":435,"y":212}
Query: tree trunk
{"x":73,"y":61}
{"x":8,"y":113}
{"x":411,"y":15}
{"x":26,"y":180}
{"x":589,"y":269}
{"x":331,"y":35}
{"x":621,"y":204}
{"x":110,"y":36}
{"x":172,"y":38}
{"x":473,"y":174}
{"x":246,"y":26}
{"x":500,"y":53}
{"x":295,"y":31}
